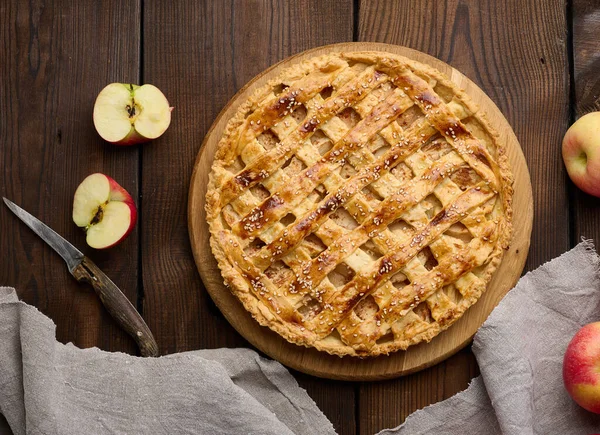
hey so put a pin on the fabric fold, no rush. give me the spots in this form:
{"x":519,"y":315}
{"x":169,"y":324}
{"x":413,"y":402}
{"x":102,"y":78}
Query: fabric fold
{"x":50,"y":388}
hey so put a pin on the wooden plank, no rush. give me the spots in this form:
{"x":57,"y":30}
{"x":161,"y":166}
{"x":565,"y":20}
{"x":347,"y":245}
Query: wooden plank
{"x":387,"y":404}
{"x":4,"y":427}
{"x":335,"y":398}
{"x":586,"y":63}
{"x":514,"y":51}
{"x":200,"y":54}
{"x":586,"y":55}
{"x":53,"y":66}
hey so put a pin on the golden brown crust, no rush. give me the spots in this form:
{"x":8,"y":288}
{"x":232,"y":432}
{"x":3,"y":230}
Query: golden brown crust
{"x":371,"y":222}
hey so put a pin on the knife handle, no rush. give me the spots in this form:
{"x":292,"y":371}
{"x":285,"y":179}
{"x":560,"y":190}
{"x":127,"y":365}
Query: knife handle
{"x":117,"y":304}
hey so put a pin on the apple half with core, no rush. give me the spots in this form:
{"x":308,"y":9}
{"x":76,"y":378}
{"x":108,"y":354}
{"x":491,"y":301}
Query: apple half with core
{"x":126,"y":114}
{"x":105,"y":210}
{"x":581,"y":367}
{"x":581,"y":153}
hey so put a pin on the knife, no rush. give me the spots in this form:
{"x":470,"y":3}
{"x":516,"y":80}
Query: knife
{"x":84,"y":270}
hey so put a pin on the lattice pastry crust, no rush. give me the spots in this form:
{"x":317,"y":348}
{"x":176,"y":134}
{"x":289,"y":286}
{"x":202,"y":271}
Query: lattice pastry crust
{"x":359,"y":203}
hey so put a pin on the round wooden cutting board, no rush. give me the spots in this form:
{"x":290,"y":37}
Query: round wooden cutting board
{"x":309,"y":360}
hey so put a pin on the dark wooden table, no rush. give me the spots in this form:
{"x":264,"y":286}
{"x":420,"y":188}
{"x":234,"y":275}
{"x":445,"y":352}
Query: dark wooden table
{"x":539,"y":60}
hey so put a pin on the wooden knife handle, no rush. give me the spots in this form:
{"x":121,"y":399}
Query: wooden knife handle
{"x":117,"y":304}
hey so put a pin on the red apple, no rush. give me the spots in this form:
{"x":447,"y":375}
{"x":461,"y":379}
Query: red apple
{"x":105,"y":210}
{"x":126,"y":114}
{"x":581,"y":367}
{"x":581,"y":153}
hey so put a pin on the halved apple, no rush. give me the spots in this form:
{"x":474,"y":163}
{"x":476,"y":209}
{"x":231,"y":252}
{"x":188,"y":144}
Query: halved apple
{"x":126,"y":114}
{"x":105,"y":210}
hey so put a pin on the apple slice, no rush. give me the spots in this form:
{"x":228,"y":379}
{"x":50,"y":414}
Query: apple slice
{"x":105,"y":210}
{"x":126,"y":114}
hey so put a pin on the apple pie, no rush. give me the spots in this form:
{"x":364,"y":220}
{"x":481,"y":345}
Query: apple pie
{"x":359,"y":203}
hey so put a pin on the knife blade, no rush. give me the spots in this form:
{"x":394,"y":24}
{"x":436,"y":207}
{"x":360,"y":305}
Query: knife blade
{"x":68,"y":252}
{"x":84,"y":270}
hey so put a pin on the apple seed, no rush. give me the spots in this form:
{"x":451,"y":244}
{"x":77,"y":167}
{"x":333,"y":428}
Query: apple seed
{"x":98,"y":216}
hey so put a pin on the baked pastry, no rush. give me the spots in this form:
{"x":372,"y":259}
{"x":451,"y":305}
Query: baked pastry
{"x":359,"y":203}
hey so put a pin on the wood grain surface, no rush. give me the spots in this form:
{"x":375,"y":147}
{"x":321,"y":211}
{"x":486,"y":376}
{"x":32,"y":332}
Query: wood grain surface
{"x":586,"y":56}
{"x":417,"y":357}
{"x":52,"y":66}
{"x":535,"y":59}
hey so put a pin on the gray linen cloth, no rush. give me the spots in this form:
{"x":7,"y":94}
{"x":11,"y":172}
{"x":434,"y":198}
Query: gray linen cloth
{"x":50,"y":388}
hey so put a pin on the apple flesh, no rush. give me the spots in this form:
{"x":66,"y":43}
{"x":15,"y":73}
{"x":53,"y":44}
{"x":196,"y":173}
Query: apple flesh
{"x":127,"y":114}
{"x":581,"y":153}
{"x":581,"y":367}
{"x":105,"y":210}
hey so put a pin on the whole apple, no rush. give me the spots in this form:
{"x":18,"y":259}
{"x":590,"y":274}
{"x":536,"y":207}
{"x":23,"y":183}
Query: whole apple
{"x":105,"y":210}
{"x":581,"y":367}
{"x":581,"y":153}
{"x":127,"y":114}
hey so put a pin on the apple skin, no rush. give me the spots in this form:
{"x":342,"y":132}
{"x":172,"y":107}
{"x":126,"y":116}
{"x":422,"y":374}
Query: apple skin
{"x":116,"y":194}
{"x":133,"y":138}
{"x":581,"y":153}
{"x":581,"y":367}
